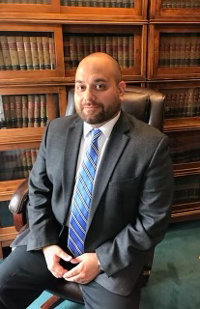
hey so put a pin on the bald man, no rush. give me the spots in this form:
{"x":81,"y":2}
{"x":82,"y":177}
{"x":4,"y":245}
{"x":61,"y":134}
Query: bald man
{"x":129,"y":205}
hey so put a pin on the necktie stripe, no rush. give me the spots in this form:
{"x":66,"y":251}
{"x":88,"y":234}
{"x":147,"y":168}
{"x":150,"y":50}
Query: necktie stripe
{"x":82,"y":198}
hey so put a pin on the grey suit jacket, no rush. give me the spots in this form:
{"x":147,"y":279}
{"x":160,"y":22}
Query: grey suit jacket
{"x":132,"y":198}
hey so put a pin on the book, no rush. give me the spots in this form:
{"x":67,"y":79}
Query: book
{"x":18,"y":105}
{"x":52,"y":54}
{"x":21,"y":52}
{"x":45,"y":45}
{"x":37,"y":110}
{"x":27,"y":51}
{"x":2,"y":65}
{"x":6,"y":108}
{"x":34,"y":52}
{"x":13,"y":52}
{"x":40,"y":53}
{"x":5,"y":52}
{"x":30,"y":110}
{"x":24,"y":111}
{"x":13,"y":116}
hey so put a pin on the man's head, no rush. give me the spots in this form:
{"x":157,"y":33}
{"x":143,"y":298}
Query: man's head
{"x":99,"y":89}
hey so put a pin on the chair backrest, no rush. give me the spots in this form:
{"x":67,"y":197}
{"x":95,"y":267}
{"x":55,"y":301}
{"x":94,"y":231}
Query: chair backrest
{"x":144,"y":103}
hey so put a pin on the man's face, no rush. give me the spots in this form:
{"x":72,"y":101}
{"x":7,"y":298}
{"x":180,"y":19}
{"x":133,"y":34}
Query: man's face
{"x":97,"y":95}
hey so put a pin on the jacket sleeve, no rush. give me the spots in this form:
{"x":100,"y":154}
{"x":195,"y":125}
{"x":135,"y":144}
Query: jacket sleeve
{"x":42,"y":223}
{"x":131,"y":245}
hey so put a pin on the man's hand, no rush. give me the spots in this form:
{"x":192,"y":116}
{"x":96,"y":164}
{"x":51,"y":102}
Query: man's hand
{"x":86,"y":270}
{"x":53,"y":254}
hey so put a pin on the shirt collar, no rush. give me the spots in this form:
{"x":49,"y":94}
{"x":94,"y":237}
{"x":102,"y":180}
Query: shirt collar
{"x":106,"y":128}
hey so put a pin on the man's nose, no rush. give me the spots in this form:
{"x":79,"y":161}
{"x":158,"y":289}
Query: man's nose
{"x":89,"y":95}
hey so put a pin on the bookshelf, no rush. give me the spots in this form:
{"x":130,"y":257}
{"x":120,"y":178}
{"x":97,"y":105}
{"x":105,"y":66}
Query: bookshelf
{"x":157,"y":44}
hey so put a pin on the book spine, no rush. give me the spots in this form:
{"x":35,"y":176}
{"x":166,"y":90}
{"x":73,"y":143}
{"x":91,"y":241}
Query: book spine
{"x":34,"y":52}
{"x":27,"y":51}
{"x":36,"y":110}
{"x":45,"y":44}
{"x":115,"y":47}
{"x":40,"y":53}
{"x":2,"y":64}
{"x":24,"y":163}
{"x":30,"y":111}
{"x":52,"y":54}
{"x":43,"y":110}
{"x":13,"y":111}
{"x":125,"y":52}
{"x":18,"y":104}
{"x":5,"y":52}
{"x":21,"y":53}
{"x":6,"y":108}
{"x":28,"y":160}
{"x":24,"y":111}
{"x":73,"y":51}
{"x":131,"y":51}
{"x":13,"y":52}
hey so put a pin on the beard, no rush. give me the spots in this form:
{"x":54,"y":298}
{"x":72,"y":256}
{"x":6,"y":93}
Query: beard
{"x":101,"y":115}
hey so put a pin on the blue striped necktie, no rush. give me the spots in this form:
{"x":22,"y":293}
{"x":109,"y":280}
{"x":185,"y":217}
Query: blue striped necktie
{"x":83,"y":196}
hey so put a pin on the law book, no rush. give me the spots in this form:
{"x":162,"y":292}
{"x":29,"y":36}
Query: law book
{"x":30,"y":110}
{"x":24,"y":164}
{"x":5,"y":52}
{"x":102,"y":44}
{"x":73,"y":51}
{"x":131,"y":51}
{"x":166,"y":39}
{"x":28,"y":54}
{"x":40,"y":53}
{"x":43,"y":110}
{"x":86,"y":45}
{"x":6,"y":109}
{"x":2,"y":65}
{"x":13,"y":52}
{"x":20,"y":170}
{"x":97,"y":43}
{"x":125,"y":52}
{"x":13,"y":116}
{"x":109,"y":47}
{"x":36,"y":110}
{"x":187,"y":49}
{"x":197,"y":51}
{"x":182,"y":49}
{"x":172,"y":50}
{"x":80,"y":48}
{"x":120,"y":51}
{"x":34,"y":52}
{"x":91,"y":44}
{"x":45,"y":45}
{"x":115,"y":47}
{"x":18,"y":104}
{"x":24,"y":111}
{"x":52,"y":53}
{"x":28,"y":160}
{"x":21,"y":52}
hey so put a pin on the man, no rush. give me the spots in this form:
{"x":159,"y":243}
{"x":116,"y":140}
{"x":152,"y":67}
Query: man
{"x":128,"y":201}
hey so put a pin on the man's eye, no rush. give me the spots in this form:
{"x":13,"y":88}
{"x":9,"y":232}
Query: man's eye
{"x":100,"y":86}
{"x":80,"y":87}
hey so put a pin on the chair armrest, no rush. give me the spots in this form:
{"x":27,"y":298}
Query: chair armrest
{"x":18,"y":205}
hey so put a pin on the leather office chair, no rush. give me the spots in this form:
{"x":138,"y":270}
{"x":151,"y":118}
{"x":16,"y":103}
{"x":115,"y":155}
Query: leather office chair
{"x":146,"y":105}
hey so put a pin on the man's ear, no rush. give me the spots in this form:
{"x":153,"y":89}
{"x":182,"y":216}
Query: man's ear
{"x":121,"y":87}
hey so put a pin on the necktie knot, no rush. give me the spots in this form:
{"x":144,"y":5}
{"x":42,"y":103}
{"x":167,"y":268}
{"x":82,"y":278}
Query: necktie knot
{"x":96,"y":133}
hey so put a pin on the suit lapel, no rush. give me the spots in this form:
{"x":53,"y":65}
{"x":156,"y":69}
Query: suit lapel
{"x":116,"y":144}
{"x":73,"y":140}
